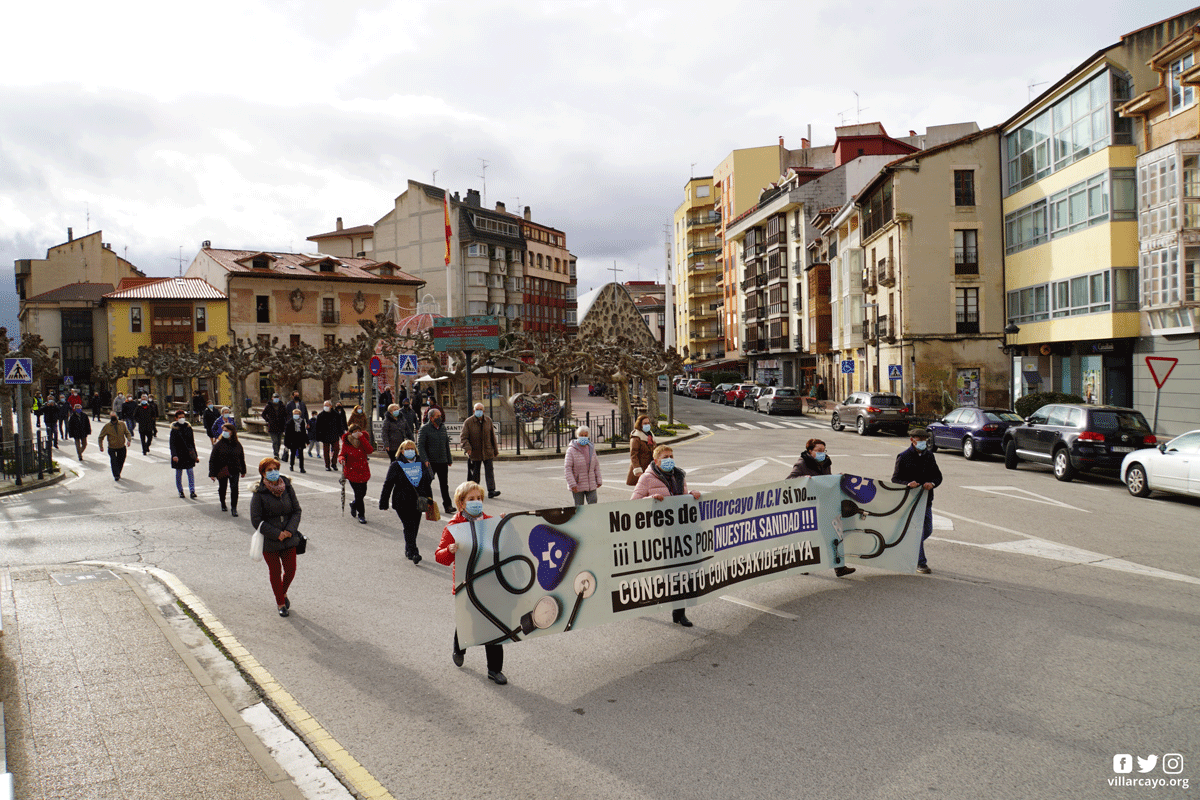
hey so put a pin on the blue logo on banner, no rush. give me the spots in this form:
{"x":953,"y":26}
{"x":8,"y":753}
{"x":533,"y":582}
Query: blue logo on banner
{"x":861,"y":489}
{"x":553,"y":551}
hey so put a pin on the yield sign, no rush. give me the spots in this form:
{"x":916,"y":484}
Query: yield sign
{"x":1154,"y":374}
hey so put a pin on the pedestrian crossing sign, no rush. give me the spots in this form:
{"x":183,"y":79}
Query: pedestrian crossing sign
{"x":18,"y":370}
{"x":408,"y":365}
{"x":894,"y":372}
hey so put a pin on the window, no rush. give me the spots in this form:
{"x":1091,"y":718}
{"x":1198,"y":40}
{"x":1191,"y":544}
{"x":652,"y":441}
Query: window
{"x":966,"y":308}
{"x":964,"y":187}
{"x":1181,"y":95}
{"x":261,"y":263}
{"x":1030,"y":304}
{"x":135,"y":319}
{"x":703,"y":191}
{"x":294,"y":340}
{"x":477,"y":251}
{"x":329,"y":314}
{"x":326,"y":266}
{"x":966,"y":252}
{"x":262,"y":307}
{"x":1025,"y":228}
{"x":1083,"y":294}
{"x":1081,"y":206}
{"x":330,"y":340}
{"x":201,"y":320}
{"x":368,"y":245}
{"x":877,"y":210}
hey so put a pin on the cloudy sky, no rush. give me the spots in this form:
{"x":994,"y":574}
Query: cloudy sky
{"x":256,"y":124}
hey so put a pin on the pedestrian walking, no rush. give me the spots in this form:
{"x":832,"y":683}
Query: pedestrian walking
{"x":409,"y":489}
{"x":296,"y":402}
{"x":226,"y":418}
{"x":331,"y":424}
{"x":118,"y":404}
{"x":75,"y":399}
{"x":641,"y":449}
{"x":97,"y":406}
{"x":582,"y":468}
{"x":663,"y":478}
{"x":312,"y":439}
{"x":226,"y":462}
{"x":198,"y":405}
{"x":275,"y":512}
{"x":385,"y":400}
{"x":147,"y":425}
{"x":64,"y":415}
{"x":468,"y":499}
{"x":79,"y":429}
{"x":478,"y":443}
{"x":50,"y":412}
{"x":916,"y":466}
{"x":183,"y":452}
{"x":129,"y":413}
{"x":815,"y":461}
{"x":433,"y":445}
{"x":295,"y":438}
{"x":276,"y":417}
{"x":116,"y":435}
{"x":356,"y":468}
{"x":209,"y":421}
{"x":396,"y":429}
{"x":357,"y":417}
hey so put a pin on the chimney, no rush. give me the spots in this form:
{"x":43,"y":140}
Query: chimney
{"x":528,"y":214}
{"x":206,"y":244}
{"x":781,"y":141}
{"x":339,"y":223}
{"x":912,"y":132}
{"x":473,"y":198}
{"x":70,"y":235}
{"x":804,"y":144}
{"x":499,"y":206}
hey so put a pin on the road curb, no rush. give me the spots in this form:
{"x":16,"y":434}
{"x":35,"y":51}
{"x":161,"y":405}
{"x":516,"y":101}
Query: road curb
{"x":31,"y":484}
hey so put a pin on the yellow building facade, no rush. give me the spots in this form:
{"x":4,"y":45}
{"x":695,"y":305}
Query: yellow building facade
{"x":698,"y":279}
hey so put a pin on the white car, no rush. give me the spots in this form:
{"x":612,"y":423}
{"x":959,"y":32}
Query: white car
{"x":1171,"y":467}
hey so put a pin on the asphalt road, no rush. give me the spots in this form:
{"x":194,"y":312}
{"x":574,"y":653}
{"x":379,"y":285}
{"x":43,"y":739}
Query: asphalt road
{"x":1059,"y":627}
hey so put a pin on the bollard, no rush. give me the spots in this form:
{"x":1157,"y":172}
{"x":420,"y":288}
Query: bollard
{"x":614,"y":430}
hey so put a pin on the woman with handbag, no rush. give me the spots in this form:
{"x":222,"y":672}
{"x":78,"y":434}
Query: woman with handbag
{"x":183,"y":452}
{"x":275,"y":513}
{"x":356,"y":468}
{"x":227,"y":461}
{"x":409,"y":488}
{"x":641,"y":449}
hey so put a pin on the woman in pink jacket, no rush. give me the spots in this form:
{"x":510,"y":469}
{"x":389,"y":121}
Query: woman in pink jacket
{"x":663,"y":478}
{"x":582,"y":468}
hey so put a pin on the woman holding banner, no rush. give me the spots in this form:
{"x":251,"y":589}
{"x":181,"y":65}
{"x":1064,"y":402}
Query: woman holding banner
{"x":661,"y":479}
{"x":814,"y":461}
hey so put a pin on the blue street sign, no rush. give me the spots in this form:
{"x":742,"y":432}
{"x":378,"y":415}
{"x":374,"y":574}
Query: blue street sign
{"x":408,"y":365}
{"x":894,"y":372}
{"x":847,"y":367}
{"x":18,"y":370}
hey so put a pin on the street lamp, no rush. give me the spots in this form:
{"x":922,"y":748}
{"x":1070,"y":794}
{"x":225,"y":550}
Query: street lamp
{"x":491,"y":362}
{"x":876,"y":366}
{"x":1010,"y":329}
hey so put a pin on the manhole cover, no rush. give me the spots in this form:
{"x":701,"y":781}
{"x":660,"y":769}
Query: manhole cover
{"x":67,"y":578}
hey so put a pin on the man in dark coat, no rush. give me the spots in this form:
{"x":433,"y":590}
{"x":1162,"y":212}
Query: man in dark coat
{"x":146,"y":424}
{"x":50,"y":412}
{"x":79,"y":429}
{"x":97,"y":404}
{"x":915,"y":467}
{"x":478,"y":441}
{"x":276,"y":417}
{"x":433,"y":446}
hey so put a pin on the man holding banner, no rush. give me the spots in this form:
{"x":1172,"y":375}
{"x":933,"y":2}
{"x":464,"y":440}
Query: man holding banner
{"x":916,"y":467}
{"x":661,"y":479}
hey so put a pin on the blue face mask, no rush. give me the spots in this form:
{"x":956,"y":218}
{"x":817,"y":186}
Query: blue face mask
{"x":473,"y":508}
{"x":584,"y":440}
{"x":645,"y":428}
{"x":479,"y":412}
{"x":819,"y":456}
{"x":272,"y":475}
{"x":410,"y":454}
{"x":920,"y":445}
{"x":225,"y":434}
{"x":667,"y":464}
{"x":396,"y":413}
{"x":277,"y":400}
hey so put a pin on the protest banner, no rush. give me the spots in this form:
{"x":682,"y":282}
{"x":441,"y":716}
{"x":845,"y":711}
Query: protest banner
{"x":556,"y":570}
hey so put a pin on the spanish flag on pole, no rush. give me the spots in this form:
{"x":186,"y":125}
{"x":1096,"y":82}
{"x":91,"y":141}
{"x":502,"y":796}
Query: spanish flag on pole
{"x":446,"y":210}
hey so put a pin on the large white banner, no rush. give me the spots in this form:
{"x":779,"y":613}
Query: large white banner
{"x":562,"y":569}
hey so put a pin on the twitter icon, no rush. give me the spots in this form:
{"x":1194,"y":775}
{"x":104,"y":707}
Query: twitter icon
{"x":1148,"y":763}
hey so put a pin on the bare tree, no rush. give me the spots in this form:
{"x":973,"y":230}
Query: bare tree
{"x":238,"y":360}
{"x":114,"y":370}
{"x":334,"y":361}
{"x":290,"y":365}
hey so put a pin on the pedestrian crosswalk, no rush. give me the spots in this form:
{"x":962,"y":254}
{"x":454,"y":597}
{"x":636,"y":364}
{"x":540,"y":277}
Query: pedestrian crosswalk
{"x":760,"y":425}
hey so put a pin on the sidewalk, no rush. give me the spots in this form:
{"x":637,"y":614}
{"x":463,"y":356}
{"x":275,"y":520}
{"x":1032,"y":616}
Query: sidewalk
{"x":102,"y":699}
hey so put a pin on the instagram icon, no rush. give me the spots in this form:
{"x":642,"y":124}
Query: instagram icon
{"x":1172,"y":763}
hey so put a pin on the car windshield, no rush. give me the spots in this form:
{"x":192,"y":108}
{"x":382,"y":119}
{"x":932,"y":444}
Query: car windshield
{"x":1119,"y":421}
{"x":886,"y":400}
{"x":1002,"y":416}
{"x":785,"y":392}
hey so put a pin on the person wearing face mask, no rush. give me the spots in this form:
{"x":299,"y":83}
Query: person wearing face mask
{"x":274,"y":507}
{"x":331,"y":424}
{"x":227,"y":461}
{"x":276,"y":417}
{"x":815,"y":461}
{"x":312,"y":428}
{"x":226,"y":418}
{"x":468,"y":498}
{"x":641,"y":449}
{"x":129,"y":413}
{"x":295,"y":438}
{"x":183,"y":452}
{"x":356,"y":467}
{"x":210,"y":416}
{"x":433,"y":448}
{"x":64,"y":415}
{"x":582,"y":468}
{"x":295,"y":403}
{"x":915,"y":467}
{"x":409,"y":490}
{"x":385,"y":400}
{"x":478,"y":443}
{"x":116,"y":435}
{"x":146,"y":423}
{"x":395,"y":430}
{"x":79,"y":429}
{"x":357,"y":417}
{"x":50,"y":414}
{"x":661,"y":479}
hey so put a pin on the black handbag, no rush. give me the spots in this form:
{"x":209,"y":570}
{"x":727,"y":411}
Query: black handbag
{"x":302,"y":547}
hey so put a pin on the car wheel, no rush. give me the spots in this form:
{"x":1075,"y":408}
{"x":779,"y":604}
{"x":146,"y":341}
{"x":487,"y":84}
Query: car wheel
{"x":1011,"y":459}
{"x":968,"y":448}
{"x":835,"y":422}
{"x":1136,"y":481}
{"x":1062,"y":465}
{"x":861,"y":427}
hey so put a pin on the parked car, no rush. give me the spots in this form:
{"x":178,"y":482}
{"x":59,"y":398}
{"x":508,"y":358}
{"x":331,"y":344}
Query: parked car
{"x":681,"y":383}
{"x":736,"y":395}
{"x":690,"y":386}
{"x":702,"y":390}
{"x":718,"y":392}
{"x":751,"y":395}
{"x":1173,"y":466}
{"x":1077,"y":438}
{"x":973,"y":430}
{"x":871,"y":411}
{"x":779,"y":399}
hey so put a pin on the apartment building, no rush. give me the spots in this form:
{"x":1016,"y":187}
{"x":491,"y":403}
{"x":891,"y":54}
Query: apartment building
{"x":699,"y":281}
{"x":357,"y":241}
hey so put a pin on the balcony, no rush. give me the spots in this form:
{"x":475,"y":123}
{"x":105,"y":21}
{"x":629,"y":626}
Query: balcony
{"x":797,"y":305}
{"x":695,"y":288}
{"x":886,"y":271}
{"x":798,"y":342}
{"x":868,"y":280}
{"x":779,"y":342}
{"x":966,"y":322}
{"x":966,"y":261}
{"x":703,"y":219}
{"x":331,"y":317}
{"x":887,"y":329}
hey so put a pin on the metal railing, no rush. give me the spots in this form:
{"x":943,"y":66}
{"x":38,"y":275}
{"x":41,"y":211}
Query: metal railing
{"x":34,"y":458}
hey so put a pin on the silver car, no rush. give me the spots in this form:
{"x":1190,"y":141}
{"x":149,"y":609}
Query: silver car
{"x":778,"y":399}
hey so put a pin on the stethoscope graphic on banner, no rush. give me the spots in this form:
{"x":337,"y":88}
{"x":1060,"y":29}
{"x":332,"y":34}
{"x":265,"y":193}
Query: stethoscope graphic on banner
{"x":554,"y":550}
{"x":863,"y":490}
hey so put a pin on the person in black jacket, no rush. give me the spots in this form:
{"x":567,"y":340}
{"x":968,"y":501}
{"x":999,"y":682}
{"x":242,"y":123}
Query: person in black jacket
{"x":331,"y":424}
{"x":79,"y":429}
{"x":211,"y":415}
{"x":409,"y":489}
{"x":815,"y":461}
{"x":276,"y":417}
{"x":96,"y":404}
{"x":183,"y":452}
{"x":146,"y":423}
{"x":396,"y":429}
{"x":274,"y":506}
{"x":915,"y":467}
{"x":50,"y":413}
{"x":225,"y":463}
{"x":295,"y":438}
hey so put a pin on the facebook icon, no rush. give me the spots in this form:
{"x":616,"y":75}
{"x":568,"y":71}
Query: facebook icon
{"x":1122,"y":763}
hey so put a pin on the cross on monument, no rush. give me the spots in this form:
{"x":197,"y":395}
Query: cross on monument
{"x":614,"y":270}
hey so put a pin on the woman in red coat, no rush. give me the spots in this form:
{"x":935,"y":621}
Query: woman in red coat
{"x":353,"y":456}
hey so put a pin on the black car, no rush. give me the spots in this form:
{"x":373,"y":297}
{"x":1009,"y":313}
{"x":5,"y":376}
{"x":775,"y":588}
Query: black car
{"x":973,"y":430}
{"x":1077,"y":438}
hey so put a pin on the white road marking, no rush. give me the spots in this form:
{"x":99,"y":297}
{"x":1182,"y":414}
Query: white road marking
{"x":757,"y":607}
{"x":737,"y":474}
{"x":701,"y":428}
{"x":770,"y":425}
{"x":725,"y":427}
{"x":749,"y":425}
{"x":1024,"y":494}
